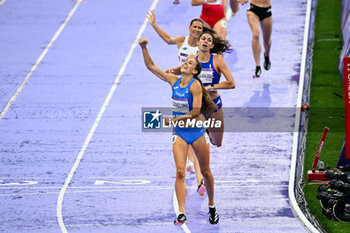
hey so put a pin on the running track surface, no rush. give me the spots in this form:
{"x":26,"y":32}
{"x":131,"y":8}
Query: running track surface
{"x":124,"y":181}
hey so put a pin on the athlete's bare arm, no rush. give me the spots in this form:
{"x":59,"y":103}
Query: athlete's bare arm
{"x":170,"y":78}
{"x":165,"y":36}
{"x":221,"y":66}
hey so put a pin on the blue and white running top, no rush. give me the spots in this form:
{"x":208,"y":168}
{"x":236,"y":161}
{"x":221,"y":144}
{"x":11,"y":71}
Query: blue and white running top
{"x":209,"y":75}
{"x":182,"y":104}
{"x":182,"y":98}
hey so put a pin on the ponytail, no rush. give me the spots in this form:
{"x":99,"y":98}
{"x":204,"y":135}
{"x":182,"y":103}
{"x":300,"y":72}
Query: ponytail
{"x":208,"y":106}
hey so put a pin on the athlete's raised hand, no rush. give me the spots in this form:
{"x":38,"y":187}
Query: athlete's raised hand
{"x":143,"y":42}
{"x":151,"y":16}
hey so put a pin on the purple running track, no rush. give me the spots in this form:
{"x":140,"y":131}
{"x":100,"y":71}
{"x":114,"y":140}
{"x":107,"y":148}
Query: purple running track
{"x":124,"y":182}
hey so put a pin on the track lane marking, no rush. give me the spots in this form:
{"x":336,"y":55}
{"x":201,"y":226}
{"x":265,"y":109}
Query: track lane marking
{"x":95,"y":124}
{"x":38,"y":61}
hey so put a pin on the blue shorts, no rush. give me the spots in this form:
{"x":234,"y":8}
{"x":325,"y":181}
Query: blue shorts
{"x":189,"y":135}
{"x":218,"y":103}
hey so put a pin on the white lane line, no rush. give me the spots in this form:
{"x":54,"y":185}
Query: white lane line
{"x":131,"y":189}
{"x":121,"y":224}
{"x":28,"y":178}
{"x":228,"y":14}
{"x":292,"y":176}
{"x":41,"y":57}
{"x":237,"y":181}
{"x":145,"y":188}
{"x":126,"y":177}
{"x":94,"y":126}
{"x":2,"y":2}
{"x":177,"y":212}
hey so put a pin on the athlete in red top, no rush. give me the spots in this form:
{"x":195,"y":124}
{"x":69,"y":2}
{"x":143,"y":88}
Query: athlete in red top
{"x":213,"y":14}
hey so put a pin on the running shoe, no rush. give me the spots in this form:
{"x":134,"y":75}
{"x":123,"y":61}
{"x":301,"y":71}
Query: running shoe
{"x":257,"y":72}
{"x":267,"y":63}
{"x":176,"y":1}
{"x":189,"y":166}
{"x":201,"y":189}
{"x":213,"y":216}
{"x":181,"y":219}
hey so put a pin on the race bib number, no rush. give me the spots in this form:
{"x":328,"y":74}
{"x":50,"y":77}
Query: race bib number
{"x":206,"y":76}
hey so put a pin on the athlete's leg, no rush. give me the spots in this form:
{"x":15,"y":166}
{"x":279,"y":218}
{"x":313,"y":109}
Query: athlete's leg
{"x":221,"y":28}
{"x":180,"y":154}
{"x":197,"y":169}
{"x":201,"y":149}
{"x":234,"y":6}
{"x":189,"y":164}
{"x":254,"y":22}
{"x":266,"y":27}
{"x":217,"y":134}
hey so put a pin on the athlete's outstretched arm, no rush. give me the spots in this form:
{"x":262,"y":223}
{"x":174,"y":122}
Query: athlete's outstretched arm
{"x":221,"y":65}
{"x":165,"y":36}
{"x":170,"y":78}
{"x":201,"y":2}
{"x":176,"y":70}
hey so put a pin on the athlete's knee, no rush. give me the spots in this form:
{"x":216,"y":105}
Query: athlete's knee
{"x":267,"y":42}
{"x":206,"y":173}
{"x":256,"y":36}
{"x":181,"y":174}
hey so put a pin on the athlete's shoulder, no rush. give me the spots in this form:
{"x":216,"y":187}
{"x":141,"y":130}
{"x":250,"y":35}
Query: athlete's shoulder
{"x":180,"y":39}
{"x":195,"y":85}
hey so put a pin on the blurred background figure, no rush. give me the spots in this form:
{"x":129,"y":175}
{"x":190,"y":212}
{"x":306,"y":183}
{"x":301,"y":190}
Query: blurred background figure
{"x":259,"y":14}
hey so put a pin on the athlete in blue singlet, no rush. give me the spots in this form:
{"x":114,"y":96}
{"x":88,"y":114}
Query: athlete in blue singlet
{"x":186,"y":45}
{"x":209,"y":77}
{"x":182,"y":101}
{"x":212,"y":68}
{"x":190,"y":101}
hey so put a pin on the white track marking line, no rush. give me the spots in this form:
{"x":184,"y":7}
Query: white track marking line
{"x":127,"y":177}
{"x":121,"y":224}
{"x":2,"y":2}
{"x":113,"y":189}
{"x":41,"y":57}
{"x":94,"y":126}
{"x":228,"y":14}
{"x":177,"y":212}
{"x":293,"y":202}
{"x":142,"y":188}
{"x":28,"y":178}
